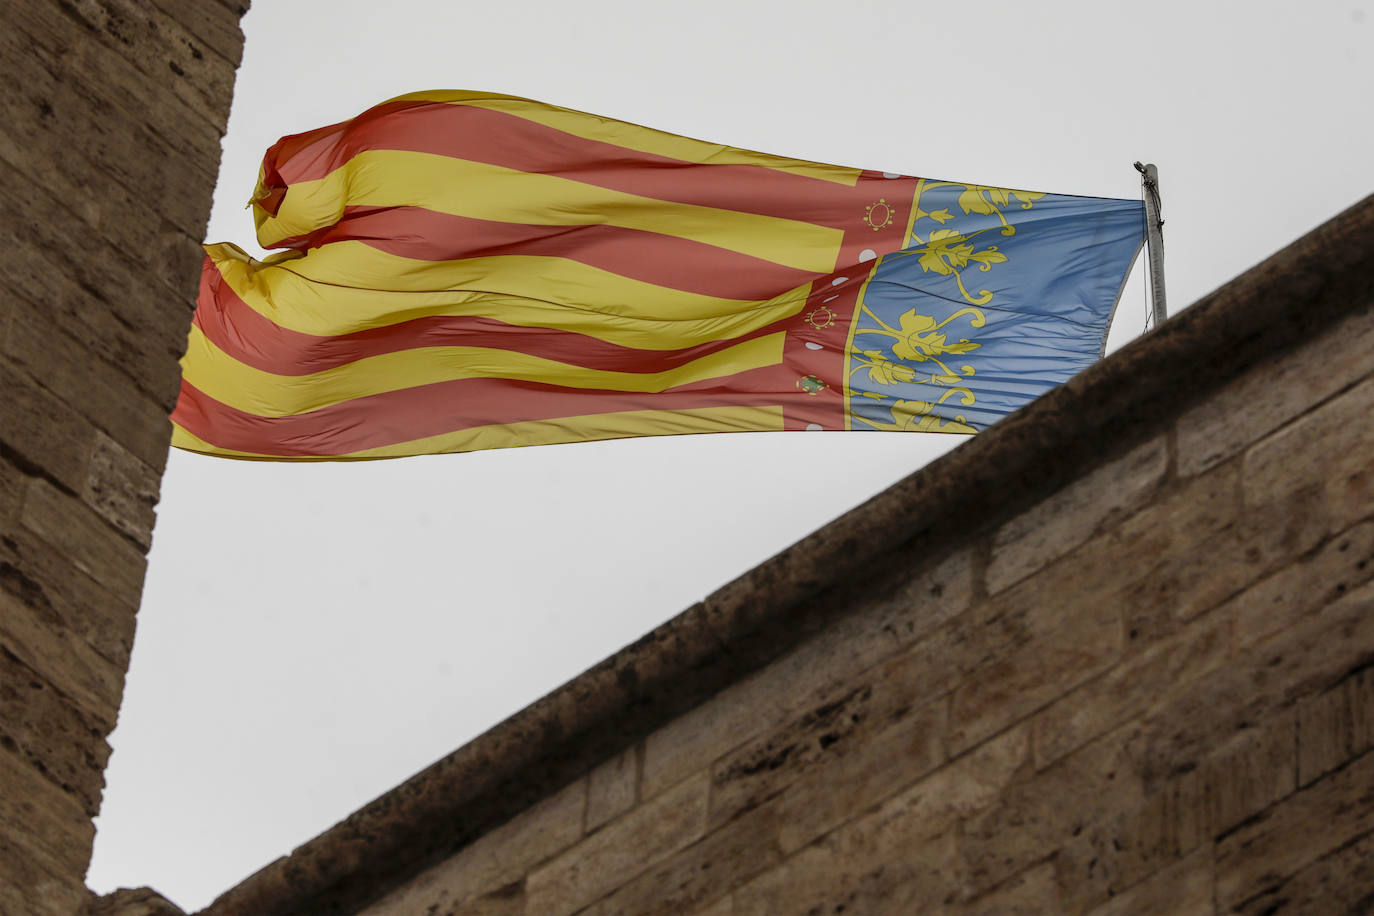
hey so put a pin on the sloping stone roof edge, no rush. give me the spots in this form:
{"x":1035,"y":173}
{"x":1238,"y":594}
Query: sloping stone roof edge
{"x":746,"y":624}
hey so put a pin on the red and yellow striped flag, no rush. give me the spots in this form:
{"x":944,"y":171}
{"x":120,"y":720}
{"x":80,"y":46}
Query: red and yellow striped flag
{"x":467,"y":270}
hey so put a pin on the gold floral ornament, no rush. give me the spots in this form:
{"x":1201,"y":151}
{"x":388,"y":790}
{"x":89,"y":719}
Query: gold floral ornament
{"x":919,"y":339}
{"x":918,"y":416}
{"x":948,"y":252}
{"x":988,"y":201}
{"x":884,"y":371}
{"x":811,"y":385}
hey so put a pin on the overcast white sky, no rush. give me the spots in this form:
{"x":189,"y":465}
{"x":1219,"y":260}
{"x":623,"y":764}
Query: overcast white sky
{"x":313,"y":634}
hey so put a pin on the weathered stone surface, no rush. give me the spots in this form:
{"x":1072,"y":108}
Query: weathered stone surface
{"x":621,"y":850}
{"x":12,"y":485}
{"x":897,"y":619}
{"x":1274,"y":393}
{"x":33,"y":633}
{"x":862,"y":777}
{"x":720,"y":861}
{"x":47,"y":731}
{"x":41,"y":431}
{"x":1341,"y":565}
{"x":869,"y":866}
{"x":1259,"y":683}
{"x":498,"y":859}
{"x":1335,"y":726}
{"x":71,"y":600}
{"x":1318,"y":467}
{"x":1342,"y":881}
{"x":1182,"y":889}
{"x":163,"y":50}
{"x":1138,"y":687}
{"x":216,"y":24}
{"x":104,"y":394}
{"x":611,"y":788}
{"x":50,"y":819}
{"x":1030,"y":893}
{"x":95,"y":293}
{"x":1290,"y":836}
{"x":142,"y":901}
{"x":963,"y":787}
{"x":1087,"y":506}
{"x":32,"y":882}
{"x":1034,"y":674}
{"x":1035,"y":816}
{"x":108,"y":143}
{"x":83,"y":537}
{"x":725,"y":906}
{"x":123,"y":490}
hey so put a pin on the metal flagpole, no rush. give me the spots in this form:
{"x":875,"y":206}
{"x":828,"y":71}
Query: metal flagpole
{"x":1154,"y":237}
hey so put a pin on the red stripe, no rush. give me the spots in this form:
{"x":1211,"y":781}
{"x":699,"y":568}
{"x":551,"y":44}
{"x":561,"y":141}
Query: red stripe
{"x":428,"y":410}
{"x":651,"y":257}
{"x":497,"y":138}
{"x":255,"y":340}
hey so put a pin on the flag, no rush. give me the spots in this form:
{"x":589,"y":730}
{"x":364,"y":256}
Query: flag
{"x":463,"y":270}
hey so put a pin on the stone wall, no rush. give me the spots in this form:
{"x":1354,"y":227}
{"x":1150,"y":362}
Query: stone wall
{"x":113,"y":112}
{"x":1146,"y":689}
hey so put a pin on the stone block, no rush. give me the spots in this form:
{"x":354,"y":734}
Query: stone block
{"x":843,"y":786}
{"x":894,"y":620}
{"x":49,"y":820}
{"x":102,"y":393}
{"x":498,"y":859}
{"x":1342,"y":881}
{"x":963,"y":787}
{"x":1283,"y":841}
{"x":1315,"y":474}
{"x":1135,"y":689}
{"x":1290,"y":595}
{"x":1035,"y":817}
{"x":141,"y":901}
{"x":35,"y":636}
{"x":69,"y":600}
{"x":1032,"y":675}
{"x":95,"y":294}
{"x":1335,"y":726}
{"x":75,"y":137}
{"x":215,"y":24}
{"x":611,"y":789}
{"x":163,"y":50}
{"x":1257,"y":684}
{"x":123,"y":490}
{"x":42,"y":728}
{"x":93,"y":546}
{"x":725,"y":906}
{"x":621,"y":850}
{"x":1182,"y":889}
{"x":1033,"y":892}
{"x":13,"y":482}
{"x":864,"y":867}
{"x":1102,"y":861}
{"x":1270,"y":395}
{"x":43,"y":432}
{"x":1087,"y":506}
{"x":719,"y":862}
{"x":33,"y":883}
{"x":1249,"y":772}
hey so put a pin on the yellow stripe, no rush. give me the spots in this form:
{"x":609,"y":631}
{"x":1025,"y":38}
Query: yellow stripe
{"x":547,"y":279}
{"x":636,"y":137}
{"x":280,"y":293}
{"x":265,"y":394}
{"x":394,"y":178}
{"x":590,"y":428}
{"x":540,"y":432}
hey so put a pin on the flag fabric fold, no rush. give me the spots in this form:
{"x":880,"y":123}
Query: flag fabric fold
{"x":463,"y":270}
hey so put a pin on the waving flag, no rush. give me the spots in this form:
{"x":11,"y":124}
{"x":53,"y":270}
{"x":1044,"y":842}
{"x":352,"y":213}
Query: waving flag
{"x":465,"y":270}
